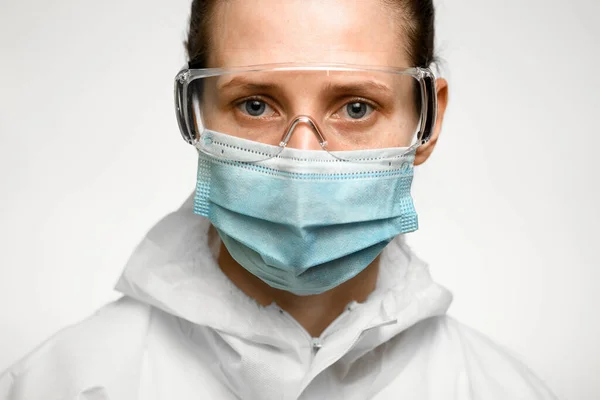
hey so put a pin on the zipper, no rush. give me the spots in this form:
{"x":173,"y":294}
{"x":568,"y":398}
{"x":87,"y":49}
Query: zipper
{"x":315,"y":343}
{"x":328,"y":363}
{"x":332,"y":360}
{"x":305,"y":333}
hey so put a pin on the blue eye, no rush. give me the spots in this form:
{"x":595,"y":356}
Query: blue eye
{"x":254,"y":108}
{"x":358,"y":110}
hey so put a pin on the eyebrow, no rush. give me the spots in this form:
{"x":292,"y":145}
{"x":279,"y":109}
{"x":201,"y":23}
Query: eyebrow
{"x":240,"y":81}
{"x":365,"y":87}
{"x":354,"y":87}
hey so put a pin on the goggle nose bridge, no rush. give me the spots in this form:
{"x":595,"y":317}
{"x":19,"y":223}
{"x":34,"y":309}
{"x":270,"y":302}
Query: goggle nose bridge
{"x":303,"y":119}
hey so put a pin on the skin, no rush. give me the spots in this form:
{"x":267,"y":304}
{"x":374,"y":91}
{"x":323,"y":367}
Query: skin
{"x":251,"y":32}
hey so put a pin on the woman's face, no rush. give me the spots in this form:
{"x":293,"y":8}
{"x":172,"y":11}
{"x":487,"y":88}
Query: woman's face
{"x":359,"y":32}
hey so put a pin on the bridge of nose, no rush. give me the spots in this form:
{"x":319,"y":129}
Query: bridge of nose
{"x":303,"y":133}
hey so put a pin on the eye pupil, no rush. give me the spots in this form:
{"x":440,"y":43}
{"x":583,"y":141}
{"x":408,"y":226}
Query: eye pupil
{"x":356,"y":110}
{"x":255,"y":107}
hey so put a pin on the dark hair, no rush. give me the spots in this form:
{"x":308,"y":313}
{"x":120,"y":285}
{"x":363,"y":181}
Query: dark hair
{"x":416,"y":16}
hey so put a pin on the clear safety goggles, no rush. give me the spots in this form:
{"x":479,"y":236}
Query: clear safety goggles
{"x":339,"y":108}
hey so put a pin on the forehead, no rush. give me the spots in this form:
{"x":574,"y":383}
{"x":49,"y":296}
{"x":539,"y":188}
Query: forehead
{"x":250,"y":32}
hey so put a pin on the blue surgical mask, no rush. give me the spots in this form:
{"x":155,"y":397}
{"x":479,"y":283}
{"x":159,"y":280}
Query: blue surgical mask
{"x":304,"y":221}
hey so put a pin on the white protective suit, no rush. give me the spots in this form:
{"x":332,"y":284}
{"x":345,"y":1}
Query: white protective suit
{"x":184,"y":331}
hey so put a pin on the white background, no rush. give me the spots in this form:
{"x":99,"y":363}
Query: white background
{"x":91,"y":158}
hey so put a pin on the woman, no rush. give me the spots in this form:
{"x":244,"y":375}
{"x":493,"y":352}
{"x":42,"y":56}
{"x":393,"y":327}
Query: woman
{"x":286,"y":274}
